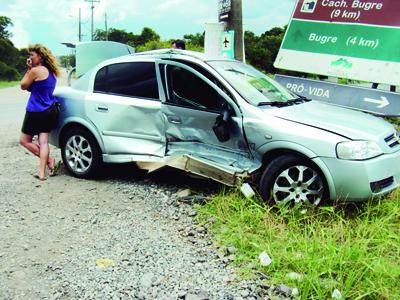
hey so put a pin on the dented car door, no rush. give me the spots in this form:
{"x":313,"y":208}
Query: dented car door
{"x":200,"y":118}
{"x":125,"y":107}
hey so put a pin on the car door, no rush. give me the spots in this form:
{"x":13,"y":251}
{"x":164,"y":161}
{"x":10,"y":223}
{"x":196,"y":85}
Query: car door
{"x":191,"y":107}
{"x":126,"y":109}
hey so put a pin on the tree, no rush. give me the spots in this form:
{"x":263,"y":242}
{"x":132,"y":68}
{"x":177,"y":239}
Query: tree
{"x":153,"y":45}
{"x":67,"y":60}
{"x":12,"y":61}
{"x":195,"y":39}
{"x":21,"y":61}
{"x":8,"y":73}
{"x":8,"y":53}
{"x":261,"y":51}
{"x":4,"y":23}
{"x":99,"y":35}
{"x":146,"y":35}
{"x":124,"y":37}
{"x":115,"y":35}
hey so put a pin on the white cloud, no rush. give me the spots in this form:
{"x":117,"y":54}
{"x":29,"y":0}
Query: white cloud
{"x":261,"y":24}
{"x":182,"y":9}
{"x":57,"y":21}
{"x":21,"y":37}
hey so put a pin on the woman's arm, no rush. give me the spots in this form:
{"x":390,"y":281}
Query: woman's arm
{"x":28,"y":78}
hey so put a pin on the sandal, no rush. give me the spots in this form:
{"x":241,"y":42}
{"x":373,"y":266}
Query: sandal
{"x":53,"y":171}
{"x":38,"y":177}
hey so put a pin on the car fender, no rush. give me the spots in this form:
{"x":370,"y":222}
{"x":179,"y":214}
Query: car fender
{"x":82,"y":123}
{"x":266,"y":148}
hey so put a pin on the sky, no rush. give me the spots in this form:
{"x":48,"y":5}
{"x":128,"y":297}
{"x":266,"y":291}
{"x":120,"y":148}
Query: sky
{"x":52,"y":22}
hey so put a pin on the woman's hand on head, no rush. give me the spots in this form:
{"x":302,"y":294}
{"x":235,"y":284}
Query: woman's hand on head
{"x":29,"y":63}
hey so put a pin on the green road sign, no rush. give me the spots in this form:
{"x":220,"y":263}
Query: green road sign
{"x":227,"y":44}
{"x":351,"y":39}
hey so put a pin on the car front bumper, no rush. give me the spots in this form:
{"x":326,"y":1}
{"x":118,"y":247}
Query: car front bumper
{"x":360,"y":180}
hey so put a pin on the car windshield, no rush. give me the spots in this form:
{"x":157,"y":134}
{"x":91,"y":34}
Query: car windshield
{"x":253,"y":85}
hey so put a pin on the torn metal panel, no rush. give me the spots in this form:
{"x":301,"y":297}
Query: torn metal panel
{"x":218,"y":155}
{"x":224,"y":174}
{"x":196,"y":125}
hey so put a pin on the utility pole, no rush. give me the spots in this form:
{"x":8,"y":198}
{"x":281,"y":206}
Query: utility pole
{"x":235,"y":23}
{"x":80,"y":26}
{"x":231,"y":14}
{"x":105,"y":23}
{"x":92,"y":8}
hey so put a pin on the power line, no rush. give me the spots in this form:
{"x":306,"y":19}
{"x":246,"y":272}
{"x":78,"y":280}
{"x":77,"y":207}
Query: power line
{"x":92,"y":8}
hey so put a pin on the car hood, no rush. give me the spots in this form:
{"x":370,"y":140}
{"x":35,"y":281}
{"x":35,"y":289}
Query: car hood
{"x":352,"y":124}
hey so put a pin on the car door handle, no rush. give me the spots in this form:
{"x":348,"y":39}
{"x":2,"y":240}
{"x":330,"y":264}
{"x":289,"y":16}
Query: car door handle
{"x":102,"y":108}
{"x":174,"y":120}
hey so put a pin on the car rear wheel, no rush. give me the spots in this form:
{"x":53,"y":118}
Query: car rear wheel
{"x":292,"y":179}
{"x":80,"y":153}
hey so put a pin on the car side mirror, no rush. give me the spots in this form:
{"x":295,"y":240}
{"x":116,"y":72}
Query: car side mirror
{"x":221,"y":126}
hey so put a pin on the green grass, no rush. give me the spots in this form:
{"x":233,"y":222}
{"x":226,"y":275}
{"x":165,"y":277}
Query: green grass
{"x":353,"y":249}
{"x":5,"y":84}
{"x":395,"y":122}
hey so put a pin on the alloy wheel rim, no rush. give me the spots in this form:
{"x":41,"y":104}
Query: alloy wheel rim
{"x":78,"y":154}
{"x":298,"y":184}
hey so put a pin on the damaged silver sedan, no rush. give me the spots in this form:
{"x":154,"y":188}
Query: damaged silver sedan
{"x":223,"y":120}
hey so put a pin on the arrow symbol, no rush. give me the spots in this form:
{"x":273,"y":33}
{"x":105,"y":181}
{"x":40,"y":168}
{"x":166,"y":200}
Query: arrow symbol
{"x":382,"y":102}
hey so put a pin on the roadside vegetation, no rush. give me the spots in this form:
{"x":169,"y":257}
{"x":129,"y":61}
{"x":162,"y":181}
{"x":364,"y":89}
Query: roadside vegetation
{"x":5,"y":84}
{"x":354,"y":249}
{"x":12,"y":60}
{"x":395,"y":122}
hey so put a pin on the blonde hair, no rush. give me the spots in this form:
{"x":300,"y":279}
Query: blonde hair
{"x":48,"y":59}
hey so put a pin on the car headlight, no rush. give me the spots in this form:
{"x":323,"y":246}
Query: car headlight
{"x":358,"y":150}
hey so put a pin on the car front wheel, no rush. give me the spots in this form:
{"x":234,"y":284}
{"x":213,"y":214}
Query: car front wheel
{"x":80,"y":153}
{"x":292,"y":179}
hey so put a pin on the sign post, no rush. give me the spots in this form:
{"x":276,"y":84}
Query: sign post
{"x":230,"y":12}
{"x":352,"y":39}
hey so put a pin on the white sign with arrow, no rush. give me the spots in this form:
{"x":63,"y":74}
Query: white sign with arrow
{"x":383,"y":102}
{"x":369,"y":100}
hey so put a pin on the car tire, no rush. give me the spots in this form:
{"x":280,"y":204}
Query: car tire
{"x":81,"y":153}
{"x":293,"y":179}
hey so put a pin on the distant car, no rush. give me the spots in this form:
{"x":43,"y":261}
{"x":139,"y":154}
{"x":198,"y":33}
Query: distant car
{"x":224,"y":120}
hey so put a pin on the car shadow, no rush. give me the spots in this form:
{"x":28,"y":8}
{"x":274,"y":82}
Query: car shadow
{"x":166,"y":177}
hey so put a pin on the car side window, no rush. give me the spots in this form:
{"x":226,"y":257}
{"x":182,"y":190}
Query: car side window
{"x":100,"y":81}
{"x":187,"y":89}
{"x":208,"y":76}
{"x":133,"y":79}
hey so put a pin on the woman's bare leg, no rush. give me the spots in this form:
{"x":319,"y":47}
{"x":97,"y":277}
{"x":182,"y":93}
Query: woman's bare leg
{"x":26,"y":141}
{"x":44,"y":153}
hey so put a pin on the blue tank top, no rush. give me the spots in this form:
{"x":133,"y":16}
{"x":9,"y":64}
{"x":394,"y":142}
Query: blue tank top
{"x":41,"y":97}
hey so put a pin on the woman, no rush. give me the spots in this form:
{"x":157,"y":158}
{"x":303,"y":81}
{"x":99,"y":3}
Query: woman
{"x":41,"y":111}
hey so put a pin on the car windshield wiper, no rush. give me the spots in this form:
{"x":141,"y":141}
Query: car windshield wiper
{"x":239,"y":72}
{"x":301,"y":99}
{"x":274,"y":103}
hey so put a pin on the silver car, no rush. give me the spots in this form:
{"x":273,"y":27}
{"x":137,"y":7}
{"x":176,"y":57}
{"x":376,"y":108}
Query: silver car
{"x":224,"y":120}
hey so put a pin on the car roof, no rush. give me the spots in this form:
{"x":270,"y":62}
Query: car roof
{"x":168,"y":53}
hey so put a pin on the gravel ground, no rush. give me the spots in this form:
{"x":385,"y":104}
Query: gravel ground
{"x":122,"y":236}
